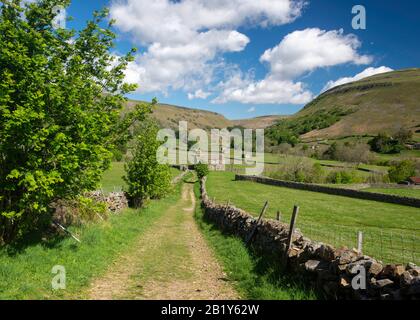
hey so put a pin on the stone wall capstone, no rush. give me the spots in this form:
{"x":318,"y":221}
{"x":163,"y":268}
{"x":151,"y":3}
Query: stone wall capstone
{"x":331,"y":270}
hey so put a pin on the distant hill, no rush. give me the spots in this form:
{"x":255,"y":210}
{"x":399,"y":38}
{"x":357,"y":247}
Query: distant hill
{"x":381,"y":103}
{"x":169,"y":116}
{"x":258,"y":122}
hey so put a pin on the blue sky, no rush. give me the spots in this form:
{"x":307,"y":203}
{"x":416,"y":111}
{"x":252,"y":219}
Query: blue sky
{"x":209,"y":56}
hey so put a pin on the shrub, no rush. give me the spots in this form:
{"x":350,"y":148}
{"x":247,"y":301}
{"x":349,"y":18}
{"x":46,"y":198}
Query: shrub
{"x":145,"y":176}
{"x":57,"y":127}
{"x":384,"y":163}
{"x":403,"y":135}
{"x":282,"y":148}
{"x":350,"y":152}
{"x":318,"y":173}
{"x":382,"y":143}
{"x":202,"y":170}
{"x":378,"y":178}
{"x":344,"y":177}
{"x":79,"y":211}
{"x":117,"y":155}
{"x":402,"y":171}
{"x":299,"y":169}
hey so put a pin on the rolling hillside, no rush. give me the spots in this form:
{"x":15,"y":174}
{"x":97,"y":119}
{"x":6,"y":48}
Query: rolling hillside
{"x":169,"y":116}
{"x":258,"y":122}
{"x":381,"y":103}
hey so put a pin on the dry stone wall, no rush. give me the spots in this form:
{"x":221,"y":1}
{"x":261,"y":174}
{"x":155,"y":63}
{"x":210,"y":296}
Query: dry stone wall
{"x":406,"y":201}
{"x":115,"y":201}
{"x":331,"y":270}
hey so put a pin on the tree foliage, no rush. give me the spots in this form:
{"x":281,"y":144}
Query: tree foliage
{"x":402,"y":171}
{"x":355,"y":152}
{"x":145,"y":176}
{"x":288,"y":130}
{"x":386,"y":144}
{"x":61,"y":94}
{"x":202,"y":170}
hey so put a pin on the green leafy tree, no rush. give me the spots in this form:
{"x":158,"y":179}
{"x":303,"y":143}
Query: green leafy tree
{"x":383,"y":143}
{"x":403,"y":136}
{"x":145,"y":176}
{"x":402,"y":171}
{"x":61,"y":94}
{"x":202,"y":170}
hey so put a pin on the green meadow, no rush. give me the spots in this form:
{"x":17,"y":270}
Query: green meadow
{"x":391,"y":232}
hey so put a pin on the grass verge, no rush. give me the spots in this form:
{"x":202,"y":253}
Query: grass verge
{"x":25,"y":271}
{"x":253,"y":277}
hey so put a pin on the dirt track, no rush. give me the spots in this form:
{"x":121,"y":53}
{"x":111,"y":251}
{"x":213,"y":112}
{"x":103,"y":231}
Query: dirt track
{"x":170,"y":261}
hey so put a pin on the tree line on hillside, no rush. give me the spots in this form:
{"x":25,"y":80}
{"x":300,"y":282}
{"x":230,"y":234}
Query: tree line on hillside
{"x":289,"y":130}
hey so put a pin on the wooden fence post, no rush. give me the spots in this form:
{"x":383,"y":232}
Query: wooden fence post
{"x":360,"y":242}
{"x":257,"y":223}
{"x":278,"y":218}
{"x":291,"y":232}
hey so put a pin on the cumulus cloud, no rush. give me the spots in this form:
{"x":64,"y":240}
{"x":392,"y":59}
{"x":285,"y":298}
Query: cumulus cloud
{"x":298,"y":53}
{"x":185,"y":38}
{"x":364,"y":74}
{"x":168,"y":21}
{"x":199,"y":94}
{"x":306,"y":50}
{"x":186,"y":66}
{"x":251,"y":110}
{"x":267,"y":91}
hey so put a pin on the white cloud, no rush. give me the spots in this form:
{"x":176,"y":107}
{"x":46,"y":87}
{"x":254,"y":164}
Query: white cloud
{"x":199,"y":94}
{"x":184,"y":39}
{"x":184,"y":66}
{"x":251,"y":110}
{"x":298,"y":53}
{"x":306,"y":50}
{"x":166,"y":21}
{"x":364,"y":74}
{"x":267,"y":91}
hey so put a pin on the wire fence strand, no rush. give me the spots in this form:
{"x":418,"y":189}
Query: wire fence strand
{"x":384,"y":245}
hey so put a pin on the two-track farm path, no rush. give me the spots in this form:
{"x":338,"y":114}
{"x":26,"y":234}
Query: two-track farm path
{"x":170,"y":261}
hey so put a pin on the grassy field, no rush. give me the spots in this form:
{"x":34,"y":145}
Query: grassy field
{"x":398,"y":157}
{"x":391,"y":231}
{"x":25,"y":270}
{"x":254,"y":278}
{"x":112,"y":179}
{"x":413,"y":193}
{"x":271,"y":159}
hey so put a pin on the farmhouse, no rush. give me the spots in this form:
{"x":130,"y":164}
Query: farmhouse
{"x":414,"y":181}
